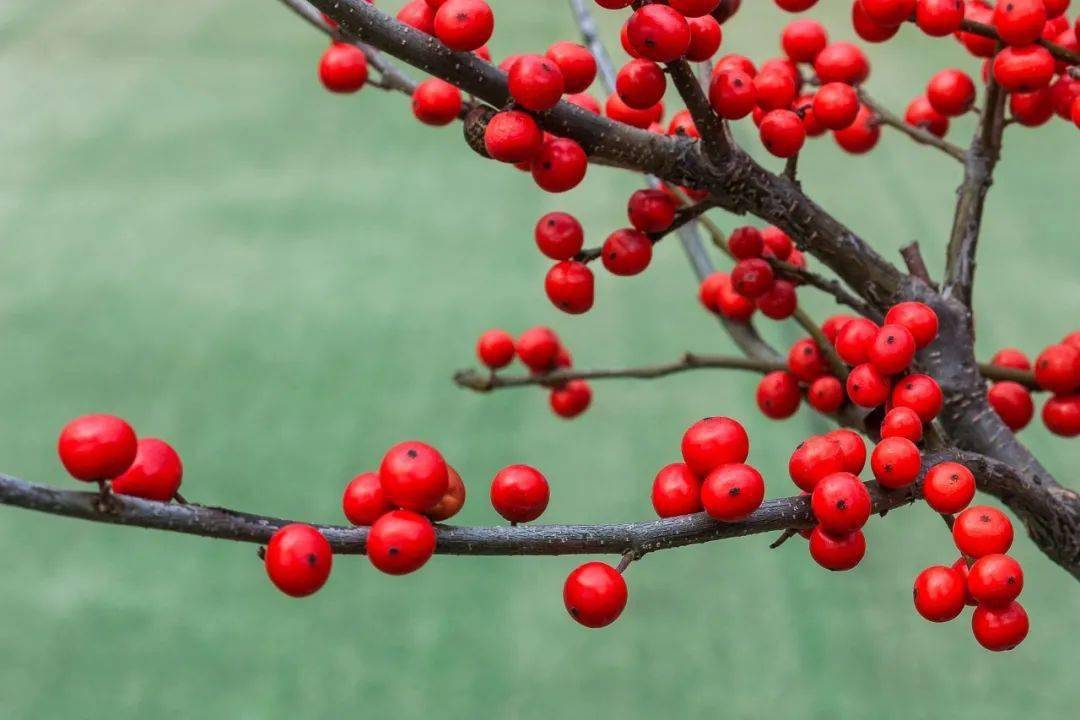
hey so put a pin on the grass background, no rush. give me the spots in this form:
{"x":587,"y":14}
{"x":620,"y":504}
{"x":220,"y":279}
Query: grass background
{"x":279,"y":281}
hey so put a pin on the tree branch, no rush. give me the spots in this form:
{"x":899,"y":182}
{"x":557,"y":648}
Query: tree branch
{"x":709,"y":124}
{"x":918,"y":134}
{"x":915,"y":263}
{"x":1063,"y":54}
{"x":684,"y":215}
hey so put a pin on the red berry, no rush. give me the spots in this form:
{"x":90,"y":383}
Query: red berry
{"x":535,"y":82}
{"x":840,"y":502}
{"x":659,"y":32}
{"x":813,"y":459}
{"x":614,"y":4}
{"x":343,"y":68}
{"x":869,"y":29}
{"x":1055,"y":8}
{"x":978,"y":45}
{"x":1057,"y":368}
{"x":778,"y":395}
{"x":861,"y":136}
{"x":836,"y":105}
{"x":708,"y":289}
{"x":825,"y":394}
{"x":418,"y":14}
{"x":577,"y":64}
{"x":732,"y":94}
{"x":746,"y":242}
{"x":731,"y":492}
{"x":451,"y":502}
{"x":752,"y":277}
{"x":731,"y":304}
{"x":854,"y":340}
{"x":559,"y":165}
{"x":982,"y":530}
{"x":841,"y":62}
{"x":617,"y":110}
{"x":1013,"y":404}
{"x":775,"y":88}
{"x":780,"y":302}
{"x":938,"y":18}
{"x":595,"y":594}
{"x":464,"y":25}
{"x":919,"y":392}
{"x":537,"y":347}
{"x":893,"y":349}
{"x":888,"y":12}
{"x":641,"y":83}
{"x":802,"y":40}
{"x":852,"y":446}
{"x":155,"y":474}
{"x":833,"y":325}
{"x":1023,"y":69}
{"x":364,"y":501}
{"x":805,"y":360}
{"x":939,"y":593}
{"x":694,"y":8}
{"x":495,"y":348}
{"x":782,"y":133}
{"x":1032,"y":109}
{"x":413,"y":475}
{"x":920,"y":320}
{"x":520,"y":493}
{"x":1011,"y":358}
{"x":1061,"y":415}
{"x":921,"y":114}
{"x":705,"y":38}
{"x":948,"y":487}
{"x":676,"y":491}
{"x":902,"y":422}
{"x":995,"y":580}
{"x":569,"y":286}
{"x":777,"y":243}
{"x":961,"y":567}
{"x":682,"y":124}
{"x":837,"y":552}
{"x":1019,"y":22}
{"x":559,"y":235}
{"x":571,"y":399}
{"x":712,"y":442}
{"x":867,"y":386}
{"x":999,"y":629}
{"x":436,"y":102}
{"x":951,"y":92}
{"x":97,"y":447}
{"x":795,"y":5}
{"x":626,"y":252}
{"x":895,"y":462}
{"x":651,"y":211}
{"x":400,"y":542}
{"x":298,"y":560}
{"x":512,"y":136}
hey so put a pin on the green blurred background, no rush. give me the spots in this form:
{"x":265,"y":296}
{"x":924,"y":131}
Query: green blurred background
{"x":280,"y":281}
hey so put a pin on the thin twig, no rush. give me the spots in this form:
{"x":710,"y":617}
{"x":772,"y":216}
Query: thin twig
{"x":918,"y":134}
{"x":682,"y":217}
{"x":915,"y":263}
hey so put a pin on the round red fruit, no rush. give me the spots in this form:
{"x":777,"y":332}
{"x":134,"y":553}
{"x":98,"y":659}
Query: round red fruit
{"x":1013,"y":404}
{"x":919,"y":318}
{"x":626,"y":252}
{"x":464,"y":25}
{"x":939,"y":593}
{"x":825,"y":394}
{"x":852,"y":446}
{"x":400,"y":542}
{"x":571,"y":399}
{"x":813,"y":459}
{"x":995,"y":580}
{"x":1000,"y":629}
{"x":538,"y":347}
{"x":451,"y":502}
{"x":902,"y":422}
{"x":948,"y":487}
{"x":364,"y":501}
{"x":155,"y":474}
{"x":343,"y":68}
{"x":893,"y":349}
{"x":495,"y":348}
{"x":436,"y":102}
{"x":778,"y":395}
{"x":676,"y":491}
{"x":982,"y":530}
{"x":840,"y":502}
{"x":577,"y":64}
{"x":414,"y":475}
{"x":559,"y":235}
{"x":298,"y":560}
{"x":895,"y":462}
{"x":867,"y":386}
{"x":921,"y":393}
{"x":731,"y":492}
{"x":1057,"y":368}
{"x":520,"y":493}
{"x":595,"y":594}
{"x":97,"y":447}
{"x":569,"y":286}
{"x":651,"y":211}
{"x":659,"y":32}
{"x":512,"y":136}
{"x":837,"y":552}
{"x":712,"y":442}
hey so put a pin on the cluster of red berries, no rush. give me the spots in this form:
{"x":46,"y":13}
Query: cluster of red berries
{"x":713,"y":476}
{"x":104,"y":449}
{"x":541,"y":350}
{"x":1057,"y":370}
{"x":983,"y":576}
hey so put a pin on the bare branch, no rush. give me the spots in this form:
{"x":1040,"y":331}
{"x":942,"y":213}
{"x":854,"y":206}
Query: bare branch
{"x":915,"y":263}
{"x":1061,"y":53}
{"x":708,"y":123}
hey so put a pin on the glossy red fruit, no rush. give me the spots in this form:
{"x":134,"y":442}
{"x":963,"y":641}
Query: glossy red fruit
{"x":705,"y":38}
{"x":298,"y":560}
{"x":436,"y":102}
{"x":995,"y":580}
{"x":893,"y":349}
{"x":584,"y":101}
{"x":1055,"y":8}
{"x":782,"y":133}
{"x":861,"y":136}
{"x":1023,"y":69}
{"x":537,"y":347}
{"x":780,"y":302}
{"x":676,"y":491}
{"x":1000,"y":629}
{"x":464,"y":25}
{"x":400,"y":542}
{"x":746,"y":242}
{"x":833,"y":325}
{"x":841,"y":62}
{"x":576,"y":63}
{"x":651,"y":211}
{"x":570,"y":287}
{"x":921,"y":114}
{"x":1013,"y":404}
{"x":815,"y":458}
{"x":626,"y":252}
{"x":854,"y":340}
{"x":1019,"y":22}
{"x":902,"y":422}
{"x":1057,"y":368}
{"x":951,"y":92}
{"x":867,"y":386}
{"x":595,"y":594}
{"x":495,"y":348}
{"x":939,"y":593}
{"x":919,"y":392}
{"x":948,"y":487}
{"x":617,"y":110}
{"x":805,"y":360}
{"x":802,"y":40}
{"x":571,"y":399}
{"x":364,"y":501}
{"x":659,"y":33}
{"x":777,"y":243}
{"x":512,"y":136}
{"x":1011,"y":358}
{"x":938,"y":18}
{"x":641,"y":83}
{"x":869,"y":29}
{"x":920,"y":320}
{"x":536,"y":82}
{"x":731,"y":304}
{"x":825,"y":394}
{"x":836,"y":105}
{"x":795,"y":5}
{"x":978,"y":45}
{"x":982,"y":530}
{"x":418,"y":14}
{"x":96,"y":447}
{"x":778,"y":395}
{"x":837,"y":552}
{"x":155,"y":474}
{"x":731,"y":492}
{"x":451,"y":502}
{"x":852,"y":446}
{"x":559,"y":165}
{"x":343,"y":68}
{"x":888,"y":12}
{"x":840,"y":502}
{"x":559,"y":235}
{"x":712,"y":442}
{"x":752,"y":277}
{"x":520,"y":493}
{"x":895,"y":462}
{"x":775,"y":88}
{"x":414,"y":475}
{"x":1061,"y":415}
{"x":1032,"y":109}
{"x":961,"y":567}
{"x":694,"y":8}
{"x":708,"y":289}
{"x":732,"y":94}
